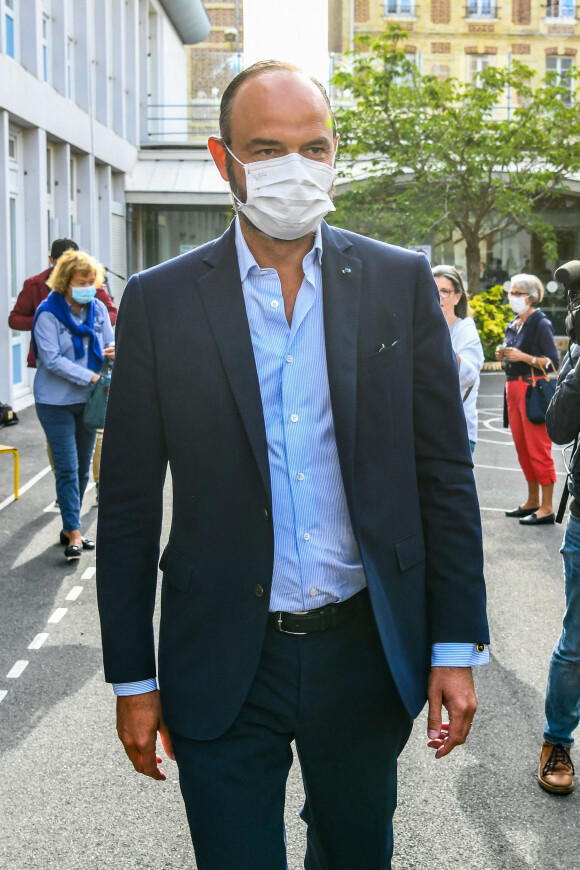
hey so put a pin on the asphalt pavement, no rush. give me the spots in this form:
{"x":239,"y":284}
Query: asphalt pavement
{"x":69,"y":799}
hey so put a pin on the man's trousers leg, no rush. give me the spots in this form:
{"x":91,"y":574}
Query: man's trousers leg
{"x":331,"y":691}
{"x":563,"y":690}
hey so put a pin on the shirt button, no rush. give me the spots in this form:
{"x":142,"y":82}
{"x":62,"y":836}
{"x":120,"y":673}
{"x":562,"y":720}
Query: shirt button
{"x":300,"y":476}
{"x":307,"y":536}
{"x":289,"y":358}
{"x":258,"y":590}
{"x":314,"y":592}
{"x":274,"y":303}
{"x":294,"y":418}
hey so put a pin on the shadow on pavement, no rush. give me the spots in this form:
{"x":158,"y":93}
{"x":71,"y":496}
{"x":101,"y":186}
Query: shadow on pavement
{"x":499,"y":794}
{"x":60,"y":672}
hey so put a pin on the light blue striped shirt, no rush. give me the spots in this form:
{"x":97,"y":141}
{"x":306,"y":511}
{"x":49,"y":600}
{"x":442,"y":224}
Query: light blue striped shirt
{"x":316,"y":556}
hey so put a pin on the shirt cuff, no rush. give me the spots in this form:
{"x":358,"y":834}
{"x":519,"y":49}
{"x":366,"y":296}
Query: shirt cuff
{"x":459,"y":655}
{"x":138,"y":688}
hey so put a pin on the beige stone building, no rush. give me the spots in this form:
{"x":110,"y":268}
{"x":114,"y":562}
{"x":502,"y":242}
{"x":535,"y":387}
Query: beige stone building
{"x":453,"y":38}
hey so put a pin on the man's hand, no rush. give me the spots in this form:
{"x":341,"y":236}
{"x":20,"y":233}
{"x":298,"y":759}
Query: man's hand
{"x":453,"y":689}
{"x":139,"y":718}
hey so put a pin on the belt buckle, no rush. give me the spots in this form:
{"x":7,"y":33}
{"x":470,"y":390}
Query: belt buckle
{"x":291,"y":613}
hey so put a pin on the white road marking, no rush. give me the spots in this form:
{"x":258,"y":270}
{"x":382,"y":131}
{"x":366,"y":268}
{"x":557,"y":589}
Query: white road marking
{"x":52,"y":508}
{"x":501,"y":510}
{"x":489,"y":424}
{"x":58,"y":614}
{"x":16,"y":670}
{"x":38,"y":640}
{"x":3,"y":693}
{"x":499,"y":443}
{"x":88,"y":574}
{"x":502,"y":468}
{"x":74,"y":593}
{"x":26,"y":487}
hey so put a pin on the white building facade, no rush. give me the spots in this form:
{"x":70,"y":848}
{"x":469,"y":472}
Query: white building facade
{"x":77,"y":80}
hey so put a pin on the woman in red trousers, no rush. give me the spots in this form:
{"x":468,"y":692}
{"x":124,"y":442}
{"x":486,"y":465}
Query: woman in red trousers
{"x":528,"y":347}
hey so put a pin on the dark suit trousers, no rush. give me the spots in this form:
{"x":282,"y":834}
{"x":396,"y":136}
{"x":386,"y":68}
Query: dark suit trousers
{"x":332,"y":693}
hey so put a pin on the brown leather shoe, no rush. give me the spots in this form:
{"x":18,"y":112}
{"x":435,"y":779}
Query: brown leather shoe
{"x":556,"y":771}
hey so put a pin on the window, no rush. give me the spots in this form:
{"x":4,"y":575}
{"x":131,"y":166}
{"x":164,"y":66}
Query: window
{"x":400,"y":7}
{"x":70,"y":81}
{"x":560,"y":66}
{"x":73,"y":199}
{"x":13,"y":249}
{"x":560,"y":9}
{"x":10,"y":19}
{"x":46,"y":59}
{"x":476,"y":63}
{"x":70,"y":50}
{"x":481,"y":9}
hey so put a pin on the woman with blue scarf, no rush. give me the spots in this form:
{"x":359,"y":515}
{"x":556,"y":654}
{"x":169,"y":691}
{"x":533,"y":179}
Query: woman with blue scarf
{"x":72,"y":337}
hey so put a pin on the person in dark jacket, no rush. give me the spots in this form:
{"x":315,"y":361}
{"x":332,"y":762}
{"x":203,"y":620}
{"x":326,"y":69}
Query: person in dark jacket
{"x":35,"y":290}
{"x":556,"y":770}
{"x":528,"y":351}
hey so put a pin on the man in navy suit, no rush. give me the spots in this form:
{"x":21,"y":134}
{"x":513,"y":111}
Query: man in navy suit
{"x":323,"y":574}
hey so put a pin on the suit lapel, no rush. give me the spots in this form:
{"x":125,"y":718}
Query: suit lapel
{"x":223,"y":300}
{"x":341,"y":283}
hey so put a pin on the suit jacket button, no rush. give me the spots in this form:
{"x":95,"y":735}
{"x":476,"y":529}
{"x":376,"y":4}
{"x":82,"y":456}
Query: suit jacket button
{"x":266,"y":515}
{"x":258,"y":590}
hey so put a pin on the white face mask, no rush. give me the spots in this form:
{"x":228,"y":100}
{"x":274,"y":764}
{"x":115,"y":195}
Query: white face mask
{"x":518,"y":304}
{"x":286,"y":197}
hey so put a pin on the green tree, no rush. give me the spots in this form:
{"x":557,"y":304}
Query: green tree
{"x":441,"y":158}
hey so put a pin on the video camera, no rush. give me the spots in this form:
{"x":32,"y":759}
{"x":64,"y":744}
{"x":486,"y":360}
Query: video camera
{"x":569,"y":276}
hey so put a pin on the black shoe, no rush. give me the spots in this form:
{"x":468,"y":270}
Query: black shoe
{"x":72,"y":553}
{"x":87,"y":545}
{"x":534,"y":520}
{"x":521,"y":512}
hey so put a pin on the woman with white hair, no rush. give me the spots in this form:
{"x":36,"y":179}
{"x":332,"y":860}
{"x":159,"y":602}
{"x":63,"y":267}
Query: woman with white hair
{"x":529,"y":347}
{"x":464,"y":339}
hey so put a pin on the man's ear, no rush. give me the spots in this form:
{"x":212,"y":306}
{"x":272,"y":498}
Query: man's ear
{"x":218,"y":152}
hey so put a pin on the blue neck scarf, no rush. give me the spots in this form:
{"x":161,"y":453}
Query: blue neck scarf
{"x":56,"y":304}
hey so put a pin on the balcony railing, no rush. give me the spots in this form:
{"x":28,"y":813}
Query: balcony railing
{"x":399,"y":7}
{"x":560,"y":9}
{"x":188,"y":124}
{"x":182,"y":124}
{"x":481,"y":9}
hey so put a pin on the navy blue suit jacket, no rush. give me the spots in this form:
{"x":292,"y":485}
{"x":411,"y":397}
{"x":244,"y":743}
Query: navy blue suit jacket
{"x":185,"y":392}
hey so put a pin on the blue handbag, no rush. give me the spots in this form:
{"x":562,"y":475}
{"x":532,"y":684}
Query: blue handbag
{"x":96,"y":404}
{"x":538,"y":396}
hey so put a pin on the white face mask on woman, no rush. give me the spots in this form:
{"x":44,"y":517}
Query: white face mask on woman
{"x":518,"y":304}
{"x":286,"y":197}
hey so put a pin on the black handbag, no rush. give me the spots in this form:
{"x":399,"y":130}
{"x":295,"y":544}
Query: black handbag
{"x":96,"y":404}
{"x":538,"y":396}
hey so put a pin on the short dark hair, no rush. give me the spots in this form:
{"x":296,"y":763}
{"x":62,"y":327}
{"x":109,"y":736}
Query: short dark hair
{"x":451,"y":273}
{"x":59,"y":246}
{"x":259,"y":68}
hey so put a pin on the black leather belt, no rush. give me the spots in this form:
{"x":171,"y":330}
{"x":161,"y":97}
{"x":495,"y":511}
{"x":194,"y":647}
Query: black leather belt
{"x":525,"y":378}
{"x":308,"y":621}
